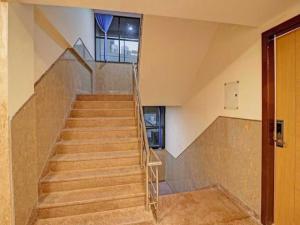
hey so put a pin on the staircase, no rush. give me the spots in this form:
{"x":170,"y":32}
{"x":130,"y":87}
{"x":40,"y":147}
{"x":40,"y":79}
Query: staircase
{"x":95,"y":172}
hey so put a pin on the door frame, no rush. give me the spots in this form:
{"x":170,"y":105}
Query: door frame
{"x":268,"y":116}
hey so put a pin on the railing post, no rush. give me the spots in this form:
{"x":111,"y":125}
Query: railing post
{"x":147,"y":187}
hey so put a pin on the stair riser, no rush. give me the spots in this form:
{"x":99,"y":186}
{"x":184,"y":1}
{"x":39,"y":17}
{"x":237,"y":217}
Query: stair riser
{"x":64,"y":149}
{"x":100,"y":123}
{"x":105,"y":98}
{"x":90,"y":207}
{"x":90,"y":183}
{"x":102,"y":113}
{"x":93,"y":164}
{"x":81,"y":135}
{"x":103,"y":105}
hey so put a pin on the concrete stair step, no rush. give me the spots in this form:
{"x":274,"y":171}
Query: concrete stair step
{"x":96,"y":133}
{"x":65,"y":203}
{"x":80,"y":179}
{"x":128,"y":216}
{"x":103,"y":97}
{"x":103,"y":104}
{"x":100,"y":122}
{"x":88,"y":113}
{"x":99,"y":145}
{"x":94,"y":160}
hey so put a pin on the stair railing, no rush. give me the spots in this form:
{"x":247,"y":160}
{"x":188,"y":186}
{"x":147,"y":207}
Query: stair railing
{"x":149,"y":159}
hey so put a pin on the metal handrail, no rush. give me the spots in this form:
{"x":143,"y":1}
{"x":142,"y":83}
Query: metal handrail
{"x":149,"y":158}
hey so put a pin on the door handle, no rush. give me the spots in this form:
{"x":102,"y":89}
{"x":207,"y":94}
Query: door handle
{"x":279,"y":136}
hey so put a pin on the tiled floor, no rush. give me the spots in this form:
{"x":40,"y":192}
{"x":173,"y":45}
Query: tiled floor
{"x":203,"y":207}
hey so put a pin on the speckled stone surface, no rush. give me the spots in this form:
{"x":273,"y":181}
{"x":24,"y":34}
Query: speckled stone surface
{"x":113,"y":78}
{"x":203,"y":207}
{"x":24,"y":161}
{"x":36,"y":126}
{"x":227,"y":153}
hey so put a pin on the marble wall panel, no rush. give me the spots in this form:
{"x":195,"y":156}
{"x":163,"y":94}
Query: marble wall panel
{"x":228,"y":153}
{"x":37,"y":125}
{"x":113,"y":78}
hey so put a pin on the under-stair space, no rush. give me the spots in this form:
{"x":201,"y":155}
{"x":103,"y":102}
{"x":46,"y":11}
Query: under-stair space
{"x":96,"y":165}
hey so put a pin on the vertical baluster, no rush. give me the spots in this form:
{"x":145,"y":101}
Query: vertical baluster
{"x":157,"y":191}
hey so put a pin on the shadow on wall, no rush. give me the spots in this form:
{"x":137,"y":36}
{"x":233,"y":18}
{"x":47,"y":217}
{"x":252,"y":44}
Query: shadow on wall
{"x":229,"y":43}
{"x":227,"y":153}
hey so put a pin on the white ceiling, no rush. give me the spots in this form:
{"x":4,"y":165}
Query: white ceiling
{"x":242,"y":12}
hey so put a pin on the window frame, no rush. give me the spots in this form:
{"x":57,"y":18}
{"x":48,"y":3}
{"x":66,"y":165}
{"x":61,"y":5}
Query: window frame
{"x":160,"y":126}
{"x":119,"y":39}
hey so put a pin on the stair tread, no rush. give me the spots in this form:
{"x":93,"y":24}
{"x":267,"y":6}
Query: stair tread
{"x":105,"y":101}
{"x":96,"y":109}
{"x":132,"y":215}
{"x":83,"y":196}
{"x":98,"y":141}
{"x":101,"y":118}
{"x":92,"y":173}
{"x":94,"y":156}
{"x":88,"y":129}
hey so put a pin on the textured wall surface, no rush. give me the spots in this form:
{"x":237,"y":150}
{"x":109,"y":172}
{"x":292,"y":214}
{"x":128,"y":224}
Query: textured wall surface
{"x":54,"y":94}
{"x":24,"y":161}
{"x":5,"y":166}
{"x":113,"y":78}
{"x":227,"y":153}
{"x":36,"y":126}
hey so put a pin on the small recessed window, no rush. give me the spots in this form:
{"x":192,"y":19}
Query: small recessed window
{"x":155,"y":125}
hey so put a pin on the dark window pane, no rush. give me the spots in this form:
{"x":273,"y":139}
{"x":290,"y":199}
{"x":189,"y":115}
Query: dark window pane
{"x":113,"y":31}
{"x":129,"y":28}
{"x":155,"y":124}
{"x":151,"y":116}
{"x":153,"y":138}
{"x":99,"y":32}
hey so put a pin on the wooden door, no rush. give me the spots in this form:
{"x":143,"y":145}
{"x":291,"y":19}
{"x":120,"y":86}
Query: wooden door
{"x":287,"y":157}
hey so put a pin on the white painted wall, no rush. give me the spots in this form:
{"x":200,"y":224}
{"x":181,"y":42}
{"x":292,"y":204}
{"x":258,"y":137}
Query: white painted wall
{"x":32,"y":49}
{"x":185,"y":123}
{"x":71,"y":23}
{"x":171,"y":52}
{"x":20,"y":55}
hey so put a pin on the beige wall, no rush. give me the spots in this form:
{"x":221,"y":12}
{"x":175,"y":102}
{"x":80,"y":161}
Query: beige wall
{"x":36,"y":126}
{"x":6,"y":209}
{"x":227,"y":153}
{"x":37,"y":37}
{"x":212,"y":10}
{"x":60,"y":27}
{"x":184,"y":124}
{"x":20,"y":54}
{"x":113,"y":78}
{"x":170,"y":55}
{"x":234,"y":54}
